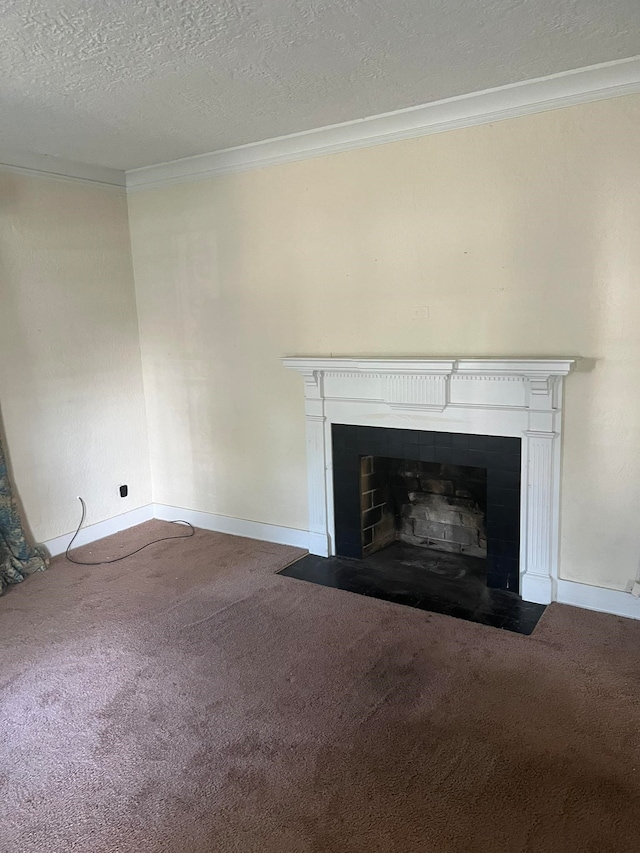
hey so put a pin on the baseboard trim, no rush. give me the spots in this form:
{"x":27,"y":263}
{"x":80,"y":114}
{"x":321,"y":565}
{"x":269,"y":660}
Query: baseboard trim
{"x":613,"y":601}
{"x":101,"y":529}
{"x":536,"y":588}
{"x":234,"y":526}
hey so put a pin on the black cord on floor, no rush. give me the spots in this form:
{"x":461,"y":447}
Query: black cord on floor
{"x":124,"y":556}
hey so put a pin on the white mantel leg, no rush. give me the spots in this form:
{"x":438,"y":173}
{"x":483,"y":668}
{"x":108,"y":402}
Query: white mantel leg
{"x":536,"y":549}
{"x":538,"y":557}
{"x":316,"y":463}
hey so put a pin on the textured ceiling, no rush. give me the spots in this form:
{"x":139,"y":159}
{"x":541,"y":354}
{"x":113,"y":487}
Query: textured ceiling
{"x":128,"y":83}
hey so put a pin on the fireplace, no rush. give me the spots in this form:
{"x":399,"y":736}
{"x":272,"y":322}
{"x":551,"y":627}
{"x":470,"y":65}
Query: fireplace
{"x":470,"y":407}
{"x":431,"y":505}
{"x":452,"y":492}
{"x":437,"y":506}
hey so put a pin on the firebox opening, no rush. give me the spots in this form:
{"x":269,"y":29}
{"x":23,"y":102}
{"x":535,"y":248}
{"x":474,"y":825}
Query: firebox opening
{"x":432,"y":505}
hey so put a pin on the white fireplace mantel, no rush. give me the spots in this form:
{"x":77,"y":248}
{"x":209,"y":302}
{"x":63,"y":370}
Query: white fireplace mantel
{"x":519,"y":397}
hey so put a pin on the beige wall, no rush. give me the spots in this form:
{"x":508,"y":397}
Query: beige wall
{"x":517,"y":239}
{"x":70,"y":375}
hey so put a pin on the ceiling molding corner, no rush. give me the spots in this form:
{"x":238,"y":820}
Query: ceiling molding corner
{"x":570,"y":88}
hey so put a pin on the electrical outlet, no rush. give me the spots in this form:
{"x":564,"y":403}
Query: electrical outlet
{"x":420,"y":313}
{"x":124,"y":491}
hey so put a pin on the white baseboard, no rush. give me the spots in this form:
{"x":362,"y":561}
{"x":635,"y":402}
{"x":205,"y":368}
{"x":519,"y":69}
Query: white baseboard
{"x":318,"y":544}
{"x":536,"y":588}
{"x":234,"y":526}
{"x":98,"y":531}
{"x":614,"y":601}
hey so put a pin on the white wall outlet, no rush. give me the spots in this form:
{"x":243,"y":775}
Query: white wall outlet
{"x":420,"y":313}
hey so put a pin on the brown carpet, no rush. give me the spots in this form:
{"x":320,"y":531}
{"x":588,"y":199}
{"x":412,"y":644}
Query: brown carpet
{"x":192,"y":700}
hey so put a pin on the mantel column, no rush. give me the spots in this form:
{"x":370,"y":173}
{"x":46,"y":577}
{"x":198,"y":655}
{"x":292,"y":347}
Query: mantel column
{"x":541,"y":460}
{"x":316,"y":462}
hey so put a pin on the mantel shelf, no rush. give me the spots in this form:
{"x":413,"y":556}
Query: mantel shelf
{"x":435,"y":366}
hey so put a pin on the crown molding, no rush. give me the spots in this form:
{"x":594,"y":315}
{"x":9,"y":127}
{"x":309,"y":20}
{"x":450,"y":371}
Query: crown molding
{"x":584,"y":85}
{"x":44,"y":166}
{"x":569,"y":88}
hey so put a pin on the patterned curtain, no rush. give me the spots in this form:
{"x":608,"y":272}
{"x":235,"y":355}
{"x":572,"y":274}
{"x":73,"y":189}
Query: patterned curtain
{"x":17,"y":557}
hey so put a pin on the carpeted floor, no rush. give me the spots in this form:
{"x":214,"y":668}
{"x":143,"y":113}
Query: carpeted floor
{"x":191,"y":700}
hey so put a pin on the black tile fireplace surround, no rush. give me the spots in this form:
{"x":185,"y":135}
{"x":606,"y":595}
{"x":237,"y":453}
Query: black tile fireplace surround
{"x":499,"y":455}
